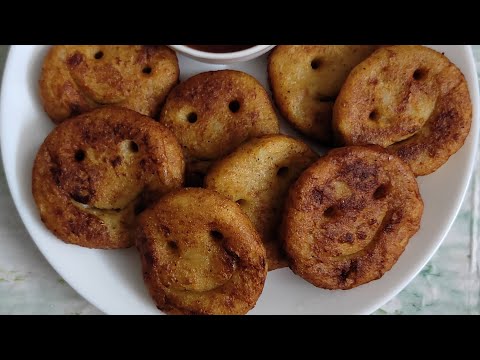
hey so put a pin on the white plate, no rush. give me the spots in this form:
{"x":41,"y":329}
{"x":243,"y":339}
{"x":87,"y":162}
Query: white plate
{"x":112,"y":281}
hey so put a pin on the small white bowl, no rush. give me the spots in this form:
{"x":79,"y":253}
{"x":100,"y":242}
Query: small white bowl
{"x":222,"y":58}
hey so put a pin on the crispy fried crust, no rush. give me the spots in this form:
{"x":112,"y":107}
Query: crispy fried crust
{"x":410,"y":99}
{"x":76,"y":79}
{"x":200,"y":254}
{"x":214,"y":112}
{"x":257,"y":176}
{"x":93,"y":173}
{"x":306,"y":79}
{"x":349,"y":217}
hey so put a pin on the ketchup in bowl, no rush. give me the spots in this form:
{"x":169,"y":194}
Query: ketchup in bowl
{"x":220,"y":48}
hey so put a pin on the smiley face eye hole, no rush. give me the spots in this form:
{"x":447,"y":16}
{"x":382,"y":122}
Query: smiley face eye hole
{"x":133,"y":146}
{"x":192,"y":117}
{"x":79,"y":155}
{"x":381,"y":192}
{"x":234,"y":106}
{"x":316,"y":64}
{"x":217,"y":235}
{"x":373,"y":115}
{"x":172,"y":245}
{"x":330,"y":212}
{"x":98,"y":55}
{"x":419,"y":74}
{"x":147,"y":70}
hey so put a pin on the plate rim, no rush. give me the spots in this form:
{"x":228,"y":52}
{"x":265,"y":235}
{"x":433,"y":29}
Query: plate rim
{"x":380,"y":300}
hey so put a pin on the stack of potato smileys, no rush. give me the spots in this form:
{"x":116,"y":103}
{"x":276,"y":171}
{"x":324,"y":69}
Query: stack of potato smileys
{"x":198,"y":178}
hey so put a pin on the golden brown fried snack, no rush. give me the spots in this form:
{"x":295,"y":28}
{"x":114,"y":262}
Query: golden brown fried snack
{"x":306,"y":79}
{"x":410,"y":99}
{"x":200,"y":254}
{"x":95,"y":172}
{"x":257,"y":176}
{"x":349,"y":217}
{"x":214,"y":112}
{"x":76,"y":79}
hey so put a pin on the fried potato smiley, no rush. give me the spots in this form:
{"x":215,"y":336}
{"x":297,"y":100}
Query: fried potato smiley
{"x":257,"y":176}
{"x":411,"y":100}
{"x":79,"y":78}
{"x":349,"y":217}
{"x":95,"y":172}
{"x":200,"y":254}
{"x":214,"y":112}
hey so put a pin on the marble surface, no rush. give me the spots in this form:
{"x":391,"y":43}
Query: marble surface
{"x":449,"y":284}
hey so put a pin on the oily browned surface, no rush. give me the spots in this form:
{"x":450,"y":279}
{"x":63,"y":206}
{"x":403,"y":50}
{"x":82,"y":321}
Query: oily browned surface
{"x":198,"y":112}
{"x":257,"y":176}
{"x":349,"y":217}
{"x":410,"y":99}
{"x":74,"y":81}
{"x":200,"y":254}
{"x":306,"y":79}
{"x":93,"y":173}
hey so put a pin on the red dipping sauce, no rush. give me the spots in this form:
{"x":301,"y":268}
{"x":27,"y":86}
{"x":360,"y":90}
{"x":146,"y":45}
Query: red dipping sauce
{"x":220,"y":48}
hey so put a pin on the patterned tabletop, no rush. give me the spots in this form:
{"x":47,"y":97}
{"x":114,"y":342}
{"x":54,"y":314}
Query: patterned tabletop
{"x":449,"y":283}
